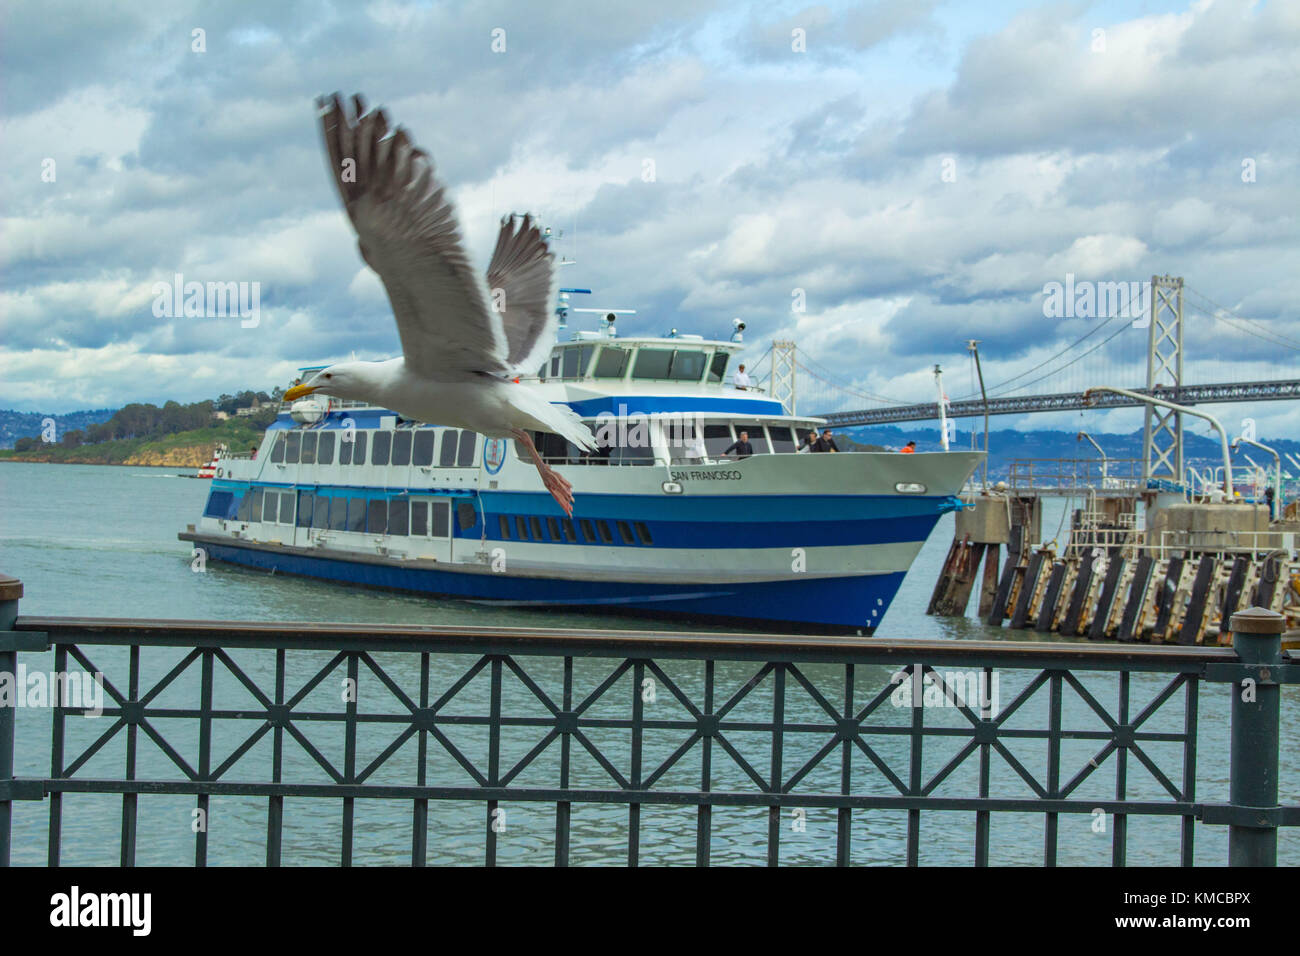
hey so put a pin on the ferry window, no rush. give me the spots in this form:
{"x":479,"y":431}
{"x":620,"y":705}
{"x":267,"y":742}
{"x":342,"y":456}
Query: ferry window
{"x":588,"y":531}
{"x":521,"y":527}
{"x":277,"y":450}
{"x":255,"y":513}
{"x":325,"y":450}
{"x":652,"y":363}
{"x":553,"y":527}
{"x":218,"y":504}
{"x":320,"y":516}
{"x":345,"y":449}
{"x":535,"y":524}
{"x":718,"y":367}
{"x":756,"y":436}
{"x":440,"y":519}
{"x":505,"y":527}
{"x":605,"y":536}
{"x":308,"y":455}
{"x":465,"y":455}
{"x":286,"y":507}
{"x":625,"y":532}
{"x":555,"y":364}
{"x":782,"y":439}
{"x":419,"y":518}
{"x":612,"y":362}
{"x":402,"y":447}
{"x":688,"y":365}
{"x":638,"y":454}
{"x":447,"y":454}
{"x":338,"y":514}
{"x":717,"y":438}
{"x":569,"y":534}
{"x":380,"y":446}
{"x":643,"y":533}
{"x":377,"y":516}
{"x":585,"y":353}
{"x":245,"y":506}
{"x":359,"y":448}
{"x":569,"y":363}
{"x":356,"y":514}
{"x":423,"y":453}
{"x":304,"y":509}
{"x":291,"y":445}
{"x":397,"y":516}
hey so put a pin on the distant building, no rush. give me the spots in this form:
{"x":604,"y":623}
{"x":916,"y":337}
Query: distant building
{"x":220,"y":416}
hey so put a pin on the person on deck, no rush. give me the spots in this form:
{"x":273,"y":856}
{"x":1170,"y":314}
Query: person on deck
{"x":742,"y":379}
{"x":908,"y":449}
{"x":740,"y":446}
{"x":826,"y":442}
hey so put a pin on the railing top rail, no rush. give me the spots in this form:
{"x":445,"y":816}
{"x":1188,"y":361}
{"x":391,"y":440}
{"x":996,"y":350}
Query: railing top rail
{"x":520,"y":640}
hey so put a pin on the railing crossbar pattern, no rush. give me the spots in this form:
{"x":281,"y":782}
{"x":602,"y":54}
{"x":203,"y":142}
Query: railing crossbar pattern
{"x":852,"y":751}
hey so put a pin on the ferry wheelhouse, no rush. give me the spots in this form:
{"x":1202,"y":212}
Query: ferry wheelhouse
{"x":664,"y":519}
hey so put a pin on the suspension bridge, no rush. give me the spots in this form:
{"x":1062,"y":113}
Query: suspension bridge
{"x":1186,"y":348}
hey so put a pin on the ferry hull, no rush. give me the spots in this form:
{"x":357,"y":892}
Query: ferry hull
{"x":849,"y":604}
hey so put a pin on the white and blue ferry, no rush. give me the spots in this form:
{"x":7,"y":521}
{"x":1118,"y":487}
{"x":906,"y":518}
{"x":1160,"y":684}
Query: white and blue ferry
{"x":664,"y":521}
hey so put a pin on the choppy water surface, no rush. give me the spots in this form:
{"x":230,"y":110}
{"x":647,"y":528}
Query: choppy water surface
{"x":102,"y":541}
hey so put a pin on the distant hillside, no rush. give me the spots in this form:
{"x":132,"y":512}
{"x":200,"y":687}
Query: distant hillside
{"x":1005,"y":445}
{"x":187,"y":449}
{"x":15,"y":425}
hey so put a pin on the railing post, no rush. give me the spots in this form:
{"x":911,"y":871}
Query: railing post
{"x":11,"y":589}
{"x":1257,"y":639}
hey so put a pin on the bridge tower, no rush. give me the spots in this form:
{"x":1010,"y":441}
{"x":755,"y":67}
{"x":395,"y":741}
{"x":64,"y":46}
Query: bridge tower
{"x":1162,"y":434}
{"x":784,"y":374}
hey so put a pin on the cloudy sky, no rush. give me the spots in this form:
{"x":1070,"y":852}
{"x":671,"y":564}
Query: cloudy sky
{"x":920,"y":170}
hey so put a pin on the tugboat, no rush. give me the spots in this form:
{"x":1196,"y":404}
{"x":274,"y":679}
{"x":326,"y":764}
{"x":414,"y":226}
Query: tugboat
{"x":667,"y":519}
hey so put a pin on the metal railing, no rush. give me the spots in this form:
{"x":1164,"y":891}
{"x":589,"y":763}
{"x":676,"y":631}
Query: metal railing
{"x":661,"y":720}
{"x":1076,"y":475}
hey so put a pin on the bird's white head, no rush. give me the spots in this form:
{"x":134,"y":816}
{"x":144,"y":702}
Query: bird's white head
{"x":352,"y":380}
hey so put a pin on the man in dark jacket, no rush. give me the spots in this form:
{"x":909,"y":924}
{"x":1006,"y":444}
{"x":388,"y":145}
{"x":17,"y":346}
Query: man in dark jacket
{"x":826,"y":442}
{"x":740,"y":446}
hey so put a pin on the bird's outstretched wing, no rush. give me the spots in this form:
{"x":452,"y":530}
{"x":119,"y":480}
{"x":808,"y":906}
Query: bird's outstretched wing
{"x":520,"y":277}
{"x":407,"y":232}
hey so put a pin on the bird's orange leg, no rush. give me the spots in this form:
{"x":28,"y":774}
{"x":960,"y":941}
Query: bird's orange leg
{"x":561,"y":490}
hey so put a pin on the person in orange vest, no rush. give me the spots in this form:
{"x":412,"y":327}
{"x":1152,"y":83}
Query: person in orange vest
{"x":908,"y":449}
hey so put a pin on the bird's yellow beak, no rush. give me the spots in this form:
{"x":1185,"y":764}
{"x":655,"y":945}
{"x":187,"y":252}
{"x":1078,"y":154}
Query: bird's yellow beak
{"x":298,"y":391}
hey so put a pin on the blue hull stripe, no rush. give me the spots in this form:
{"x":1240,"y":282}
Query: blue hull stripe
{"x":854,"y":602}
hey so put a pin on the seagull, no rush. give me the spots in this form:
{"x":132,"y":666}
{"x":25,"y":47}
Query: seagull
{"x":461,"y":358}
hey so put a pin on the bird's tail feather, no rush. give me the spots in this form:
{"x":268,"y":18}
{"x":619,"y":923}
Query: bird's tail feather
{"x":559,"y":419}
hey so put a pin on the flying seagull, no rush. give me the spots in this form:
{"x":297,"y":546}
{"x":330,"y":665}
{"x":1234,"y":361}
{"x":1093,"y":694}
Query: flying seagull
{"x":460,"y":357}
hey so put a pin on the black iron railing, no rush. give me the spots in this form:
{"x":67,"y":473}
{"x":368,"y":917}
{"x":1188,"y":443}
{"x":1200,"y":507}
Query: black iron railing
{"x":630,"y":720}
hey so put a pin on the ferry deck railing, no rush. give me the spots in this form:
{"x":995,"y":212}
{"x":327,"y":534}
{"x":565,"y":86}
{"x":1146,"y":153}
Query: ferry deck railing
{"x":845,"y":759}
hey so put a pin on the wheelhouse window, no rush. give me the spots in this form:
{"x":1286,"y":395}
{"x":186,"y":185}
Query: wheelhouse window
{"x":652,"y":363}
{"x":688,"y":365}
{"x":612,"y":362}
{"x":718,"y":367}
